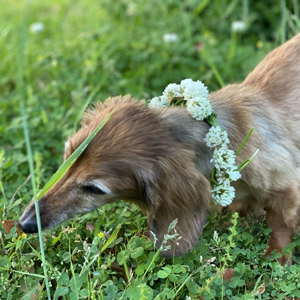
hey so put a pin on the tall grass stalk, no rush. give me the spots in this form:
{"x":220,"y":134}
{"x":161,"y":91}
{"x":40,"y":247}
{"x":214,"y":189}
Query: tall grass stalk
{"x":212,"y":65}
{"x":283,"y":20}
{"x":245,"y":10}
{"x":21,"y":95}
{"x":296,"y":8}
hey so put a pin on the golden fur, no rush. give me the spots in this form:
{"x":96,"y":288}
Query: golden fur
{"x":158,"y":159}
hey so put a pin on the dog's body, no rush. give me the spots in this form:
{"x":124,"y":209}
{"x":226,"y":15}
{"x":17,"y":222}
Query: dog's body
{"x":158,"y":157}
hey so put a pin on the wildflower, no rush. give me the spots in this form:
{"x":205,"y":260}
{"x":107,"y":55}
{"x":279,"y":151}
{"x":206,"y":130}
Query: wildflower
{"x":192,"y":89}
{"x":230,"y":174}
{"x":233,"y":174}
{"x":131,"y":9}
{"x":199,"y":108}
{"x":170,"y":37}
{"x":223,"y":157}
{"x":23,"y":235}
{"x":172,"y":91}
{"x":37,"y":27}
{"x":101,"y":234}
{"x":259,"y":44}
{"x":238,"y":26}
{"x":223,"y":194}
{"x":216,"y":136}
{"x":159,"y":102}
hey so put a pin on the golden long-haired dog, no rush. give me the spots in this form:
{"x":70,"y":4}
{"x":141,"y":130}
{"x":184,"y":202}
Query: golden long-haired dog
{"x":158,"y":159}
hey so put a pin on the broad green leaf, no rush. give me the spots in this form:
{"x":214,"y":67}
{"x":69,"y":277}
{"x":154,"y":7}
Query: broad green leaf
{"x":137,"y":252}
{"x":193,"y":287}
{"x":61,"y":291}
{"x":173,"y":278}
{"x":63,"y":279}
{"x":165,"y":272}
{"x":133,"y":293}
{"x":140,"y":269}
{"x":146,"y":293}
{"x":111,"y":291}
{"x":134,"y":243}
{"x":84,"y":293}
{"x":71,"y":160}
{"x":177,"y":268}
{"x":123,"y":256}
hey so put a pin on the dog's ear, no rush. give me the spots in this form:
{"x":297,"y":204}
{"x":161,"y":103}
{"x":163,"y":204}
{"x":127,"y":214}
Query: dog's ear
{"x":178,"y":191}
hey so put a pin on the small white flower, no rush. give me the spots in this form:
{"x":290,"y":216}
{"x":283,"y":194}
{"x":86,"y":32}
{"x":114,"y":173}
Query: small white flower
{"x":193,"y":89}
{"x":37,"y":27}
{"x":238,"y":26}
{"x":199,"y":108}
{"x":233,"y":174}
{"x":170,"y":37}
{"x":131,"y":9}
{"x":223,"y":194}
{"x":159,"y":102}
{"x":223,"y":157}
{"x":188,"y":298}
{"x":216,"y":136}
{"x":171,"y":91}
{"x":230,"y":174}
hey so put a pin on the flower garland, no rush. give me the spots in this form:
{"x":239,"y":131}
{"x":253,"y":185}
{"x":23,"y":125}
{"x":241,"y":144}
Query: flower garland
{"x":194,"y":95}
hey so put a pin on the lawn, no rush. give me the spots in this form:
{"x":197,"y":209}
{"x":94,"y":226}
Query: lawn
{"x":86,"y":51}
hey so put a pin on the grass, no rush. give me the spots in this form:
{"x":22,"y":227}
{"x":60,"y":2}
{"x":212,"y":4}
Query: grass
{"x":92,"y":50}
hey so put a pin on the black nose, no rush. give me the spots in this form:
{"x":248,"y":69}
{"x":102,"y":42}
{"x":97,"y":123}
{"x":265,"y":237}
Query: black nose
{"x":28,"y":226}
{"x":27,"y":222}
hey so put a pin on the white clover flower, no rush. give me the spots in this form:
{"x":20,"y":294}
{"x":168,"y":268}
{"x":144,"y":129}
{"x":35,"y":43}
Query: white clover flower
{"x":159,"y":102}
{"x":199,"y":108}
{"x":37,"y":27}
{"x":234,"y":174}
{"x":131,"y":9}
{"x":193,"y":89}
{"x":171,"y":91}
{"x":223,"y":194}
{"x":238,"y":26}
{"x":170,"y":37}
{"x":223,"y":157}
{"x":230,"y":174}
{"x":216,"y":136}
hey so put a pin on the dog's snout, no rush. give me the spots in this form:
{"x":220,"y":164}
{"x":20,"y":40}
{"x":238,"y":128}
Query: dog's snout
{"x":28,"y":226}
{"x":27,"y":222}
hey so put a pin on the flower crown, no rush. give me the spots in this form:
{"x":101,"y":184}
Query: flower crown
{"x":194,"y":95}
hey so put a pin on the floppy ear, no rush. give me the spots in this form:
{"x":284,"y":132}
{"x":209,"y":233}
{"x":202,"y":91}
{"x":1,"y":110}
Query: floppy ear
{"x":180,"y":192}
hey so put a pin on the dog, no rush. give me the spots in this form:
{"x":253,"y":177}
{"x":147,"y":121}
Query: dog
{"x":158,"y":159}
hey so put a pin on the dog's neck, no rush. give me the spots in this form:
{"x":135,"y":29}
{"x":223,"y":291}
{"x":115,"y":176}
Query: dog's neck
{"x":231,"y":105}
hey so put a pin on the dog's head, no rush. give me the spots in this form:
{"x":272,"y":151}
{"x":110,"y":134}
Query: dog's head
{"x":133,"y":157}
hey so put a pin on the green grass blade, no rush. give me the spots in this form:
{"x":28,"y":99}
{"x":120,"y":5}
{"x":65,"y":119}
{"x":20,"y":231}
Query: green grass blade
{"x":23,"y":273}
{"x":244,"y":142}
{"x":283,"y":20}
{"x":111,"y":239}
{"x":21,"y":95}
{"x":71,"y":160}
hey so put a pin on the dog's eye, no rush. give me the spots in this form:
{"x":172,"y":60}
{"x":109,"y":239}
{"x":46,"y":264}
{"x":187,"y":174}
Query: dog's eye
{"x":93,"y":190}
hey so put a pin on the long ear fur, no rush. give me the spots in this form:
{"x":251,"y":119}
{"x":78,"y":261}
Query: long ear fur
{"x":180,"y":192}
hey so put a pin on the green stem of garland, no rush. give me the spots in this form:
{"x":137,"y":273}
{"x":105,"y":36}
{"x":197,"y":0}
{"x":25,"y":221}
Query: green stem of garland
{"x":244,"y":141}
{"x":212,"y":120}
{"x":246,"y":162}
